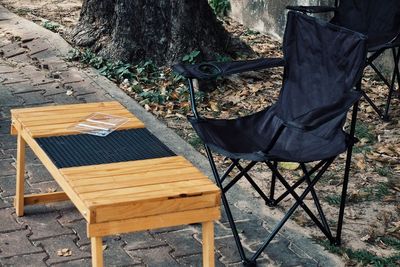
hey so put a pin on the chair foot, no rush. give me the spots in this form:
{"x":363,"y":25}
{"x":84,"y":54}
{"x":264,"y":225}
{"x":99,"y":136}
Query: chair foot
{"x":271,"y":203}
{"x":385,"y":118}
{"x":249,"y":263}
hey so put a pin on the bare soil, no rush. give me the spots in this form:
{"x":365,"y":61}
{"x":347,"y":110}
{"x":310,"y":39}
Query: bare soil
{"x":372,"y":219}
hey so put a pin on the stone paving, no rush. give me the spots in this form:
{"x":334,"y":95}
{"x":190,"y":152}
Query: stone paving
{"x":33,"y":72}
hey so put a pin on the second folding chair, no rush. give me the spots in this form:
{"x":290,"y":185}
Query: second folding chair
{"x":380,"y":22}
{"x":322,"y":66}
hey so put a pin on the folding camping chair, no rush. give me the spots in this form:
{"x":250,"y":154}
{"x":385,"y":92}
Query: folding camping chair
{"x":323,"y":63}
{"x":380,"y":21}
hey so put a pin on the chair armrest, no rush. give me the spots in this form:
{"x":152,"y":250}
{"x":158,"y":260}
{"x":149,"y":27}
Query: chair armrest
{"x":317,"y":117}
{"x":312,"y":9}
{"x":212,"y":70}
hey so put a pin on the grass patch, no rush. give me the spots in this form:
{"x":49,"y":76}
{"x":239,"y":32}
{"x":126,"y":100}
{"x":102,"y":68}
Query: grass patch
{"x":196,"y":142}
{"x":362,"y":256}
{"x":385,"y":171}
{"x":333,"y":200}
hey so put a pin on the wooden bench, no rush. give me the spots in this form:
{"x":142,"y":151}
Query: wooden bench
{"x":119,"y":196}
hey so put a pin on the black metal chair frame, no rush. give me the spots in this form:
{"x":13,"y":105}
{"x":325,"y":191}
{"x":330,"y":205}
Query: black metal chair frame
{"x":311,"y":174}
{"x":394,"y":47}
{"x":319,"y":169}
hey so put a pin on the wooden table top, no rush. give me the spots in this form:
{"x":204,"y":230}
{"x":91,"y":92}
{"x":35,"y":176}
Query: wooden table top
{"x":121,"y":190}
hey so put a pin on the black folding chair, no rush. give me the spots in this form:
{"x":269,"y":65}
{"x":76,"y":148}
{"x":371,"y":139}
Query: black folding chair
{"x":380,"y":21}
{"x":323,"y":63}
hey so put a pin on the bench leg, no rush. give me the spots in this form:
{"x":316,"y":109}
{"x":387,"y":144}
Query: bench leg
{"x":208,"y":244}
{"x":97,"y":252}
{"x":20,"y":186}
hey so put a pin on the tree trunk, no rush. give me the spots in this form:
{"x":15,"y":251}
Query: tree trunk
{"x":161,"y":30}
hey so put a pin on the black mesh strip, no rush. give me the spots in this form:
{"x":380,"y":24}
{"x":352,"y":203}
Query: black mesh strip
{"x":83,"y":149}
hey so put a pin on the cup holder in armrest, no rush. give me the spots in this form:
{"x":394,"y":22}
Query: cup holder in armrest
{"x":209,"y":69}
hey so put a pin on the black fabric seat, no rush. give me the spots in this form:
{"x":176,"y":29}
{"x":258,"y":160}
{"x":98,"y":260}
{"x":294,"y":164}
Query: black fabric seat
{"x":380,"y":22}
{"x":323,"y":64}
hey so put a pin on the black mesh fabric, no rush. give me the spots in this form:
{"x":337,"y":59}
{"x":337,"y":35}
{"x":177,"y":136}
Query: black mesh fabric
{"x":83,"y":149}
{"x":379,"y":20}
{"x":322,"y":64}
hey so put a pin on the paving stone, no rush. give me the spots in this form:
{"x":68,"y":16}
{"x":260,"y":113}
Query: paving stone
{"x":221,"y":230}
{"x":36,"y":46}
{"x":8,"y":222}
{"x":155,"y":257}
{"x":168,"y":229}
{"x":4,"y":204}
{"x":16,"y":243}
{"x":22,"y":58}
{"x":7,"y":185}
{"x":52,"y":245}
{"x":38,"y":174}
{"x":79,"y":227}
{"x":63,"y":99}
{"x":52,"y":89}
{"x":9,"y":100}
{"x":34,"y":98}
{"x":36,"y":260}
{"x":95,"y":97}
{"x":141,"y":240}
{"x":5,"y":126}
{"x":197,"y":260}
{"x":7,"y":168}
{"x":75,"y":263}
{"x":54,"y":64}
{"x":114,"y":254}
{"x":43,"y":55}
{"x":226,"y":246}
{"x":8,"y":141}
{"x":47,"y":187}
{"x":12,"y":75}
{"x":12,"y":50}
{"x":83,"y":88}
{"x":72,"y":75}
{"x":279,"y":252}
{"x":4,"y":69}
{"x":44,"y":225}
{"x":182,"y":242}
{"x":69,"y":215}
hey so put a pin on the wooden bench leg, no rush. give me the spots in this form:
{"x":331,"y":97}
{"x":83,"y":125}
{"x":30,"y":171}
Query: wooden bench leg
{"x":97,"y":251}
{"x":20,"y":186}
{"x":208,"y":244}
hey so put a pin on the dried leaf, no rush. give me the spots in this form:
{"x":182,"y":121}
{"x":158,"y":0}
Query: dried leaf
{"x":289,"y":165}
{"x":65,"y":252}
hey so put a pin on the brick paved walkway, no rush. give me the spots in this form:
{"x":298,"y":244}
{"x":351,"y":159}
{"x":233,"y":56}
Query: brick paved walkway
{"x":33,"y":73}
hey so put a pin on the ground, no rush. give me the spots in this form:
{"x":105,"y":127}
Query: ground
{"x":372,"y":220}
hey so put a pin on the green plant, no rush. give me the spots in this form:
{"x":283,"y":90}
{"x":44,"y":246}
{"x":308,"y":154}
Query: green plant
{"x":220,"y":7}
{"x":191,"y":57}
{"x":52,"y":26}
{"x":384,"y":171}
{"x":333,"y":199}
{"x":362,"y":256}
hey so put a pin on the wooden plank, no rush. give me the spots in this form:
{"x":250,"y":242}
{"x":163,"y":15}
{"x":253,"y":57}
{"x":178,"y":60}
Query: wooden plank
{"x":45,"y":198}
{"x":20,"y":182}
{"x":69,"y":117}
{"x":147,"y":208}
{"x":57,"y":175}
{"x":83,"y":106}
{"x":153,"y":222}
{"x":183,"y":187}
{"x":153,"y":196}
{"x":208,"y":244}
{"x":60,"y":129}
{"x":127,"y":167}
{"x":163,"y":179}
{"x":97,"y":251}
{"x":157,"y":176}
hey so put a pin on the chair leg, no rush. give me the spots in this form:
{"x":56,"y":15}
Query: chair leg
{"x":272,"y":188}
{"x":226,"y":206}
{"x":208,"y":244}
{"x":346,"y":173}
{"x":97,"y":251}
{"x":392,"y":84}
{"x":20,"y":182}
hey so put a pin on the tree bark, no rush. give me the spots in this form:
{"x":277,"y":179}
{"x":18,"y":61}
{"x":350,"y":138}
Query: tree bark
{"x":161,"y":30}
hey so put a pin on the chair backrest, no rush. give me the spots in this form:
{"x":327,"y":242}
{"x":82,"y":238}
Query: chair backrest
{"x":375,"y":18}
{"x":322,"y":62}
